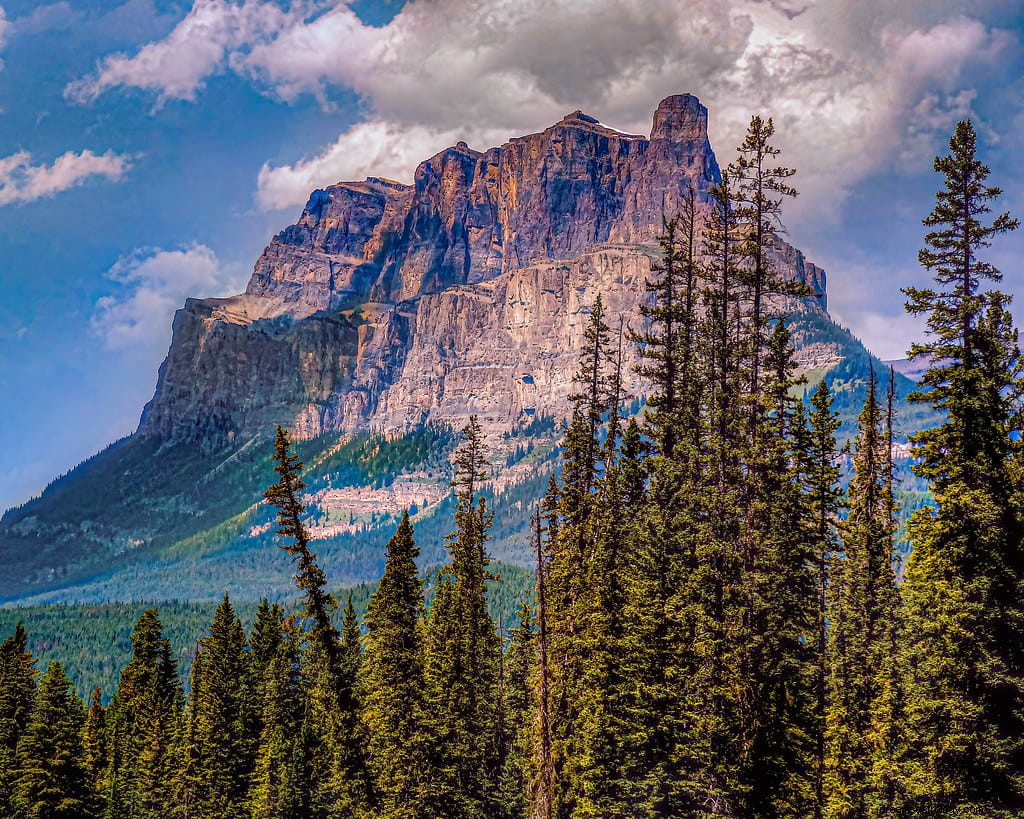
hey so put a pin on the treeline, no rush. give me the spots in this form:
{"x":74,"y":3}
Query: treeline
{"x":718,"y":629}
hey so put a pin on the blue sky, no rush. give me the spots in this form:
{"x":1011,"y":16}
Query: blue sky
{"x":148,"y":150}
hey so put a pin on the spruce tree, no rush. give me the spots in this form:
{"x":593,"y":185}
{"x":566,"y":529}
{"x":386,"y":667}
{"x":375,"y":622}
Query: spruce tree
{"x":861,"y":613}
{"x":17,"y":694}
{"x":542,"y":797}
{"x":888,"y":737}
{"x":602,"y":702}
{"x":282,"y":781}
{"x":141,"y":722}
{"x":334,"y":711}
{"x":266,"y":638}
{"x":571,"y":542}
{"x":760,"y":188}
{"x":395,"y":707}
{"x":351,"y":784}
{"x":94,"y":742}
{"x":222,"y":713}
{"x":780,"y":606}
{"x":667,"y":345}
{"x":825,"y":500}
{"x":965,"y":629}
{"x":518,"y":702}
{"x":53,"y":781}
{"x":462,"y":653}
{"x":713,"y":600}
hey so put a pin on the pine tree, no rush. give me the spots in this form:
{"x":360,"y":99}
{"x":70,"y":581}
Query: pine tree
{"x":52,"y":780}
{"x":825,"y":500}
{"x":571,"y":542}
{"x":266,"y":639}
{"x":94,"y":742}
{"x":281,"y":782}
{"x":713,"y":603}
{"x":602,"y":704}
{"x":965,"y":629}
{"x":542,"y":801}
{"x":395,"y":706}
{"x":141,"y":723}
{"x":780,"y":606}
{"x":671,"y":317}
{"x":17,"y":694}
{"x":333,"y":715}
{"x":861,"y":614}
{"x":309,"y":577}
{"x":759,"y":190}
{"x":517,"y":767}
{"x":222,"y":714}
{"x":888,"y":736}
{"x":351,"y":784}
{"x":462,"y":653}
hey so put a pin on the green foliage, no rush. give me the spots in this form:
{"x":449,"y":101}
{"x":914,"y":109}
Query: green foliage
{"x":718,"y":631}
{"x":462,"y":655}
{"x":17,"y":693}
{"x":393,"y":678}
{"x":862,"y":609}
{"x":222,"y":718}
{"x":965,"y":617}
{"x":141,"y":724}
{"x":282,"y":782}
{"x":53,"y":781}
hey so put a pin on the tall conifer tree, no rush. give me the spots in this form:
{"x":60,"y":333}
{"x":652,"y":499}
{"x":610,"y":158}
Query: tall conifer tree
{"x":825,"y":500}
{"x":141,"y":723}
{"x":17,"y":695}
{"x":223,"y":717}
{"x":861,"y":613}
{"x":94,"y":742}
{"x":53,"y":781}
{"x":965,"y":611}
{"x":462,"y":652}
{"x":346,"y":788}
{"x":282,"y":780}
{"x":395,"y":704}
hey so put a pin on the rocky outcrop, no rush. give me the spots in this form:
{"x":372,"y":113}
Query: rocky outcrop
{"x":389,"y":305}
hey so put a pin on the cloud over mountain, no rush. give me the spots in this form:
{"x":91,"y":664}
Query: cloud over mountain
{"x":842,"y":96}
{"x":151,"y":284}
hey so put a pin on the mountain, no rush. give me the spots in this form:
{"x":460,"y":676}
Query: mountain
{"x":373,"y":327}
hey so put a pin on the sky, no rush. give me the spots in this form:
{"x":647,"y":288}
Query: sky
{"x":149,"y":149}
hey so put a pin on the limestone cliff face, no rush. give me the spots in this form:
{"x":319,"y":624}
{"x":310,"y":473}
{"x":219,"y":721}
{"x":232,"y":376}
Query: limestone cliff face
{"x":389,"y":305}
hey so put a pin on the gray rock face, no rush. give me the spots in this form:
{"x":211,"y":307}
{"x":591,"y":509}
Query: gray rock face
{"x":388,"y":305}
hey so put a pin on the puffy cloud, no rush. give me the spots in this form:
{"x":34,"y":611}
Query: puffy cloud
{"x":177,"y":66}
{"x":152,"y":284}
{"x":373,"y":148}
{"x":21,"y":181}
{"x":854,"y":87}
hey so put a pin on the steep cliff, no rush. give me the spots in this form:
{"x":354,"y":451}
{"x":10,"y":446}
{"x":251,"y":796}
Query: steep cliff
{"x":386,"y":306}
{"x":381,"y":319}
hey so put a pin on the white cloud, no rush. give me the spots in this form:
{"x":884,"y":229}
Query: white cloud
{"x":374,"y":148}
{"x":21,"y":181}
{"x":5,"y":30}
{"x":177,"y":66}
{"x":152,"y":285}
{"x":843,"y":81}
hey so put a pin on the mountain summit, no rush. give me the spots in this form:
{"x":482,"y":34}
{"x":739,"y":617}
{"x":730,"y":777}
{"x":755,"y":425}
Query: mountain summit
{"x":382,"y":319}
{"x":386,"y":305}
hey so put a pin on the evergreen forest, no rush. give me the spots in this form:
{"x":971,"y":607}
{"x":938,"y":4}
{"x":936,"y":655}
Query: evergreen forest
{"x":721,"y":624}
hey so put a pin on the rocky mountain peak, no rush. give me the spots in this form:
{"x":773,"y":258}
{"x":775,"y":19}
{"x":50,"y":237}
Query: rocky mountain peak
{"x":680,"y":118}
{"x":387,"y":305}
